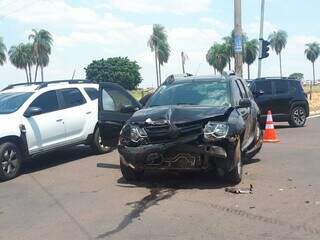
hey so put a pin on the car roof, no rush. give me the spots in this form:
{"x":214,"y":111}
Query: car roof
{"x":276,"y":79}
{"x":53,"y":85}
{"x":187,"y":78}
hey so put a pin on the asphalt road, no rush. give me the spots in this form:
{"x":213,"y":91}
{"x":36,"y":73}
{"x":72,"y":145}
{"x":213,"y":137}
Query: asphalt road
{"x":74,"y":195}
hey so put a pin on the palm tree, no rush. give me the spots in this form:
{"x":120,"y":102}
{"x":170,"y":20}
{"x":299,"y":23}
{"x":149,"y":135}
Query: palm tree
{"x":18,"y":58}
{"x":278,"y":41}
{"x":42,"y":43}
{"x":312,"y":52}
{"x":217,"y":57}
{"x":251,"y":49}
{"x":158,"y":44}
{"x":3,"y":50}
{"x":228,"y":41}
{"x":30,"y":58}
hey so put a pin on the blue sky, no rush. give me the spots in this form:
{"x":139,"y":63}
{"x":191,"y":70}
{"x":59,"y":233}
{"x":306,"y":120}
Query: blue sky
{"x":85,"y":30}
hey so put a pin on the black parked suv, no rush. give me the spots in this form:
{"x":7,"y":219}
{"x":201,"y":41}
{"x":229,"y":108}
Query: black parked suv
{"x":189,"y":123}
{"x":284,"y":97}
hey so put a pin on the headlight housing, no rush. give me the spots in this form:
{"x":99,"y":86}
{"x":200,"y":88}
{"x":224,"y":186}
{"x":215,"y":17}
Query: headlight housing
{"x":137,"y":134}
{"x":215,"y":130}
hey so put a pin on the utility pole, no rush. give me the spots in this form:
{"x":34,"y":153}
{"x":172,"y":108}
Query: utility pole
{"x":238,"y":38}
{"x":261,"y":37}
{"x":184,"y":58}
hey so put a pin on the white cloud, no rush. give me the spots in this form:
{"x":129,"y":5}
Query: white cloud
{"x":253,"y":28}
{"x":171,"y":6}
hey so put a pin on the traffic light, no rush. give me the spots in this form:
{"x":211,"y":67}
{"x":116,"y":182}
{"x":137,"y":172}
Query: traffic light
{"x":264,"y":49}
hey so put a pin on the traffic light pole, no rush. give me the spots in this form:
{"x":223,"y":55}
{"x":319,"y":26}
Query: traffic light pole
{"x":238,"y":38}
{"x":261,"y":37}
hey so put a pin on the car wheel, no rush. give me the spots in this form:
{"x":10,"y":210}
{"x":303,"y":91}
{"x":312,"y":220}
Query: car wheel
{"x":298,"y":117}
{"x":10,"y":159}
{"x":97,"y":145}
{"x":130,"y":174}
{"x":235,"y":175}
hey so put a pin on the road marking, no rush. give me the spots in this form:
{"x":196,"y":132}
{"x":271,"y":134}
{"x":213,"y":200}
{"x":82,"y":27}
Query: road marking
{"x":314,"y":116}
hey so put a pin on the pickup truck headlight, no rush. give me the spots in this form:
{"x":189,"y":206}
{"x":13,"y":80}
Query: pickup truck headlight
{"x":215,"y":130}
{"x":137,"y":134}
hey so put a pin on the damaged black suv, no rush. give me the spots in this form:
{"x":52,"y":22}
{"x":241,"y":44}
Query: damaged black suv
{"x":190,"y":123}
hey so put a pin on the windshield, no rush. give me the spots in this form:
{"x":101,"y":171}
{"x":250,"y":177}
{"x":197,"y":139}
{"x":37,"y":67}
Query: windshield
{"x":210,"y":93}
{"x":11,"y":102}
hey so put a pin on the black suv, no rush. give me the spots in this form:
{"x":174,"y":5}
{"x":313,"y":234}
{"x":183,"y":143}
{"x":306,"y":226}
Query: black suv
{"x":189,"y":123}
{"x":284,"y":97}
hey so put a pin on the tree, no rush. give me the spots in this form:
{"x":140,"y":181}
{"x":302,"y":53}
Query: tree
{"x":228,"y":41}
{"x":118,"y":70}
{"x":18,"y":57}
{"x":217,"y":56}
{"x":297,"y":76}
{"x":3,"y":50}
{"x":158,"y":44}
{"x":42,"y":43}
{"x":278,"y":41}
{"x":30,"y":58}
{"x":251,"y":49}
{"x":312,"y":52}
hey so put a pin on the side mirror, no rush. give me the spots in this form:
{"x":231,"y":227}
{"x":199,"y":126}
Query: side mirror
{"x":129,"y":109}
{"x":32,"y":111}
{"x":258,"y":93}
{"x":244,"y":103}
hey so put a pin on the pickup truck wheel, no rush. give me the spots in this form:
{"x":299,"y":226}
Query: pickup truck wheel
{"x":235,"y":175}
{"x":10,"y":159}
{"x":298,"y":117}
{"x":97,"y":145}
{"x":130,"y":174}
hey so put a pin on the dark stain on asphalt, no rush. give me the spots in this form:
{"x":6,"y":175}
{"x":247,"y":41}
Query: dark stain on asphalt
{"x":156,"y":195}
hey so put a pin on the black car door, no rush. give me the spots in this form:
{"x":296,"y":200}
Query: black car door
{"x":116,"y":106}
{"x":263,"y":100}
{"x":281,"y":98}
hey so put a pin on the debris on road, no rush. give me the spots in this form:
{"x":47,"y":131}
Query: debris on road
{"x":237,"y":190}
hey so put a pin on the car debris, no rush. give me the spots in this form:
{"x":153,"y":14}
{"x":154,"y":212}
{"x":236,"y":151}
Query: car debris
{"x":237,"y":190}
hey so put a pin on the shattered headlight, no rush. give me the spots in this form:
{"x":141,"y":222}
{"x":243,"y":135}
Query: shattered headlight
{"x":215,"y":130}
{"x":137,"y":134}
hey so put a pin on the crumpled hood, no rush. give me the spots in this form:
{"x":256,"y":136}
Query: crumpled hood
{"x":177,"y":114}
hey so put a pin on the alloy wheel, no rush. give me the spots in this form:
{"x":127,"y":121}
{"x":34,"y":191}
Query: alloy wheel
{"x":9,"y":161}
{"x":299,"y":116}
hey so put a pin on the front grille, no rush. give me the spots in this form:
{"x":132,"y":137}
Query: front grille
{"x":163,"y":133}
{"x":182,"y":160}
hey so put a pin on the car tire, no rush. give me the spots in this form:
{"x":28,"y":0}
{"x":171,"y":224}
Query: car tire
{"x":235,"y":175}
{"x":10,"y":161}
{"x":97,"y":145}
{"x":298,"y":117}
{"x":130,"y":174}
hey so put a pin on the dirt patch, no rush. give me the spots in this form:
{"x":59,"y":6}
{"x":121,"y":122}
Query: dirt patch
{"x":315,"y":102}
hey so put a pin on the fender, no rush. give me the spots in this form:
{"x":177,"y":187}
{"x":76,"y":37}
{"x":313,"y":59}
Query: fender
{"x":300,"y":103}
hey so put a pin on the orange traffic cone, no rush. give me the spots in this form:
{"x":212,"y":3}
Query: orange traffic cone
{"x":270,"y":135}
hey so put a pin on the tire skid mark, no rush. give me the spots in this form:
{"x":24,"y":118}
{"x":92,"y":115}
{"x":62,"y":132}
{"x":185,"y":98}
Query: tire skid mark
{"x":260,"y":218}
{"x":156,"y":195}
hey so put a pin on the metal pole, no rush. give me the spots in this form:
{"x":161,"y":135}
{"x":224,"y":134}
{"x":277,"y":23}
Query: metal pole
{"x":238,"y":37}
{"x":183,"y":62}
{"x":261,"y":37}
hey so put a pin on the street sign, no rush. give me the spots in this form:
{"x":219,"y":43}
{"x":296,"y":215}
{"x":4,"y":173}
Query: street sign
{"x":238,"y":44}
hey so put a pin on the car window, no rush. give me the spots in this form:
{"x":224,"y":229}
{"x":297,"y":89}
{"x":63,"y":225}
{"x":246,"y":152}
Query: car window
{"x":92,"y":93}
{"x":115,"y":100}
{"x":72,"y":97}
{"x":265,"y":86}
{"x":210,"y":93}
{"x":107,"y":101}
{"x":11,"y":102}
{"x":281,"y":86}
{"x":48,"y":102}
{"x":294,"y":86}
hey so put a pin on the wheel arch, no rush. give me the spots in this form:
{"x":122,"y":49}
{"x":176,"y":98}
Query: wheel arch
{"x":300,"y":103}
{"x":18,"y":141}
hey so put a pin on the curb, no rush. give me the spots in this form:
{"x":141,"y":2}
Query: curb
{"x":314,"y":113}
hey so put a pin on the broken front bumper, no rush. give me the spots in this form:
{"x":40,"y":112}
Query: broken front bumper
{"x":186,"y":154}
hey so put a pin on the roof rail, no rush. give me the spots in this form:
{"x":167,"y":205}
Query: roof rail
{"x":45,"y":84}
{"x":172,"y":77}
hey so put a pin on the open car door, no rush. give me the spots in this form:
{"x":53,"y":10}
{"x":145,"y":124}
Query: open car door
{"x":116,"y":106}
